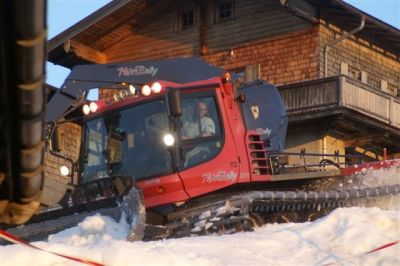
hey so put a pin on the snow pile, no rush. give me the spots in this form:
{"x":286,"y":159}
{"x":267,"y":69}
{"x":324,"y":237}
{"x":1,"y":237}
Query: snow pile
{"x":380,"y":177}
{"x":92,"y":230}
{"x":343,"y":237}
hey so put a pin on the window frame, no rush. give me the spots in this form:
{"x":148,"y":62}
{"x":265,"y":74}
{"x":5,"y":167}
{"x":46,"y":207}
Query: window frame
{"x":82,"y":178}
{"x":190,"y":18}
{"x":354,"y":73}
{"x":217,"y":11}
{"x":180,"y":18}
{"x":393,"y":89}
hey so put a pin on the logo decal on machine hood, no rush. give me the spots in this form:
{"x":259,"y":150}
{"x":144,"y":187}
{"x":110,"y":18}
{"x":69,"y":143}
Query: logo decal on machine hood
{"x":255,"y":111}
{"x":264,"y":131}
{"x":137,"y":71}
{"x":220,"y":176}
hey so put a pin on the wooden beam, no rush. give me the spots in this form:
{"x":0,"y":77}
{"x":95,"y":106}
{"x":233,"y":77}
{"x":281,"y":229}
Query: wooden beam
{"x":363,"y":139}
{"x":327,"y":125}
{"x":368,"y":153}
{"x":87,"y":53}
{"x":139,"y":21}
{"x":139,"y":6}
{"x":352,"y":126}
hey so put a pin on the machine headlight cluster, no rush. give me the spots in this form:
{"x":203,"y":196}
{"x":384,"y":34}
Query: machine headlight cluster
{"x":92,"y":107}
{"x":154,"y":88}
{"x":120,"y":95}
{"x":145,"y":90}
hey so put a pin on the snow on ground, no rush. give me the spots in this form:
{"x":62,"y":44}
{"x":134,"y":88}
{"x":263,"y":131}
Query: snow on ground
{"x":343,"y":238}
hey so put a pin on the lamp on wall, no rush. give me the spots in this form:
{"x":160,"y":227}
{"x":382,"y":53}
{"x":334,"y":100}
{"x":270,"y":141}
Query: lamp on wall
{"x":231,"y":54}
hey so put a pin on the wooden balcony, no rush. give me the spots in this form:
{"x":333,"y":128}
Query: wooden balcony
{"x":348,"y":107}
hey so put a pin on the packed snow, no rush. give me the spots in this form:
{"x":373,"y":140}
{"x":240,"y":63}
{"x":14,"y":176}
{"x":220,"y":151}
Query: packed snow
{"x":344,"y":237}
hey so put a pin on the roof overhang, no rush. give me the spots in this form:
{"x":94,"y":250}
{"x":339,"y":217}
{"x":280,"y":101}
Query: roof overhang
{"x":114,"y":21}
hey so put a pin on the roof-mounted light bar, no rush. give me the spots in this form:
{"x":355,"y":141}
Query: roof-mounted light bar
{"x":130,"y":90}
{"x":92,"y":107}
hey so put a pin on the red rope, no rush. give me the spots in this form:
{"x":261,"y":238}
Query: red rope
{"x":366,"y":253}
{"x":383,"y":246}
{"x":13,"y":239}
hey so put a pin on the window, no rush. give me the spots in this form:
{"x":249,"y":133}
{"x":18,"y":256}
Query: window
{"x":201,"y":130}
{"x":393,"y":89}
{"x":187,"y":19}
{"x":354,"y":73}
{"x":128,"y":142}
{"x":224,"y":10}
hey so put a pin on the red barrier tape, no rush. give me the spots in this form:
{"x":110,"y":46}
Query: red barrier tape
{"x":366,"y":253}
{"x":383,"y":246}
{"x":13,"y":239}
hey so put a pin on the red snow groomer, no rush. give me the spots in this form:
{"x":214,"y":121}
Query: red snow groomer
{"x":204,"y":149}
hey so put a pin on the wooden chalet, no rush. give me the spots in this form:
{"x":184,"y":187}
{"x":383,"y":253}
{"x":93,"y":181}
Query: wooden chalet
{"x":337,"y":68}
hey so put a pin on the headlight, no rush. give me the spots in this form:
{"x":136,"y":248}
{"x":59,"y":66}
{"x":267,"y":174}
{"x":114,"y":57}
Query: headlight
{"x":93,"y":107}
{"x":146,"y":90}
{"x":86,"y":109}
{"x":64,"y":170}
{"x":132,"y":89}
{"x":156,"y":87}
{"x":117,"y":97}
{"x":169,"y":140}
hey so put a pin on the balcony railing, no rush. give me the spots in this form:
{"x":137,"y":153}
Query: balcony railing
{"x":341,"y":92}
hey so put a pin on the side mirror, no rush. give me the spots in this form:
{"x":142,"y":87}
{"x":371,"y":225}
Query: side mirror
{"x":57,"y":140}
{"x":174,"y":102}
{"x":65,"y":140}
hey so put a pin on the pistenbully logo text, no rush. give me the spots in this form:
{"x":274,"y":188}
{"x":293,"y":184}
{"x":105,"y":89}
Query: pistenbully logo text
{"x":137,"y":71}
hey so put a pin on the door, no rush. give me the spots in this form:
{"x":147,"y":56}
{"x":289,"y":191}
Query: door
{"x":207,"y":152}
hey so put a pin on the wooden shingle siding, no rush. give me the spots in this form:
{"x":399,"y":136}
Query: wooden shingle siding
{"x":157,"y":40}
{"x":357,"y":54}
{"x":285,"y":59}
{"x":253,"y":21}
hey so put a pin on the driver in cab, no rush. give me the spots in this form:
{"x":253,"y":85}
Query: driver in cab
{"x":206,"y":127}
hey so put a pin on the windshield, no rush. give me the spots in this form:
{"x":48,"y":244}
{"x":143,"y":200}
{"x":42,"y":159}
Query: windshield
{"x":127,"y":142}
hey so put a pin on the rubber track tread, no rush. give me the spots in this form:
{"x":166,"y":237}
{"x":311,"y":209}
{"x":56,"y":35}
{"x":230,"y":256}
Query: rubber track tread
{"x":23,"y":50}
{"x":255,"y":208}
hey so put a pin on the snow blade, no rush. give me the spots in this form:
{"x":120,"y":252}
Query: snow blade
{"x":116,"y":197}
{"x":135,"y":213}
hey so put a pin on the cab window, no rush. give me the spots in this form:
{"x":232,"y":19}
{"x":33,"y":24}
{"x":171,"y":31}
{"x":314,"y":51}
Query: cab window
{"x":201,"y":130}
